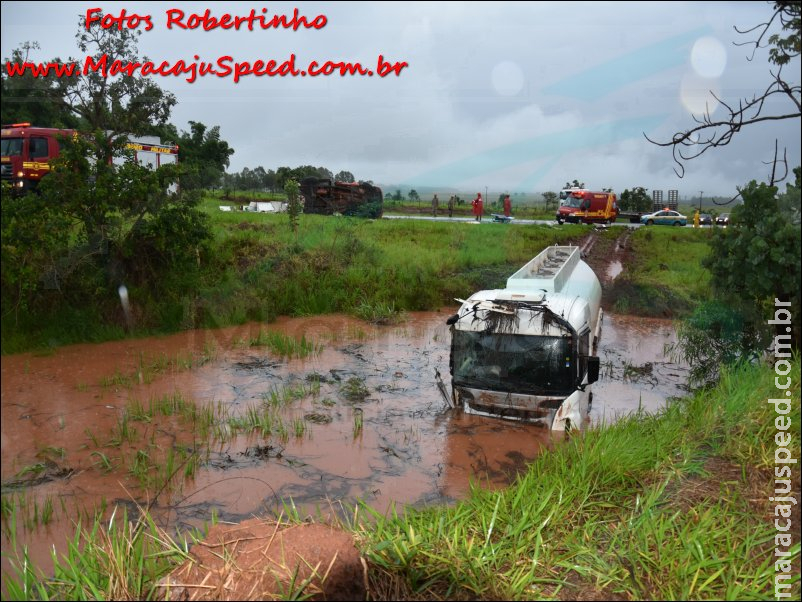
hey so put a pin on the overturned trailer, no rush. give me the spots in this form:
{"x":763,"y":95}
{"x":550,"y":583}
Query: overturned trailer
{"x":327,"y":197}
{"x":529,"y":351}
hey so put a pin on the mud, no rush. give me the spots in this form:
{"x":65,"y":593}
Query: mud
{"x":370,"y":424}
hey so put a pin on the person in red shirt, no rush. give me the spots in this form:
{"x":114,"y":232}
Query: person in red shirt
{"x":507,"y":206}
{"x":478,"y":207}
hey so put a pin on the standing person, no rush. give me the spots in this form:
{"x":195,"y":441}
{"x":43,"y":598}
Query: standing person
{"x":478,"y":207}
{"x":507,"y":206}
{"x":451,"y":206}
{"x":435,"y":204}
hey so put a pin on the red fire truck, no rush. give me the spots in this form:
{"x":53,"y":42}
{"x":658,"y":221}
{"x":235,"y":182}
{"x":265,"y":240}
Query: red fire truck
{"x":27,"y":152}
{"x":580,"y":205}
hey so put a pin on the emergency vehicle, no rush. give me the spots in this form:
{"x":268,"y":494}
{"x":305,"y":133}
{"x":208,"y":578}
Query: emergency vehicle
{"x":28,"y":151}
{"x":588,"y":207}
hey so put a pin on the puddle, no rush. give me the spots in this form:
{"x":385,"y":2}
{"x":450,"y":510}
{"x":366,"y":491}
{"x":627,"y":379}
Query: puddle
{"x":635,"y":373}
{"x":362,"y":419}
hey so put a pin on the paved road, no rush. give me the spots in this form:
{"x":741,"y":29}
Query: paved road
{"x":488,"y":220}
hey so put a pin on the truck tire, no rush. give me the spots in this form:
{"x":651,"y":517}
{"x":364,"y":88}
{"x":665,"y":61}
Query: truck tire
{"x":650,"y":222}
{"x":560,"y":221}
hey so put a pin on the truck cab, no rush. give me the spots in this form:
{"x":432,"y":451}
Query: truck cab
{"x":528,"y":351}
{"x":26,"y":154}
{"x":584,"y":206}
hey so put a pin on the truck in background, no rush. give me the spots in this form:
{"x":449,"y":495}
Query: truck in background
{"x":327,"y":197}
{"x":27,"y":153}
{"x":529,"y":351}
{"x":584,"y":206}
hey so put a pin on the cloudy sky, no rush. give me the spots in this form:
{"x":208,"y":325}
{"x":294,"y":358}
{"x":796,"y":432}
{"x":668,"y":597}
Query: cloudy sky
{"x":505,"y":96}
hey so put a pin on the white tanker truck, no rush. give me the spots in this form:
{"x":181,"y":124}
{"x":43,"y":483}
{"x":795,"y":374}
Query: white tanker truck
{"x":528,"y":351}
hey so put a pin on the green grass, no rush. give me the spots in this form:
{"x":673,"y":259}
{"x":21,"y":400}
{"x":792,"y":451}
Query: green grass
{"x":284,"y":345}
{"x":664,"y":274}
{"x":256,"y":269}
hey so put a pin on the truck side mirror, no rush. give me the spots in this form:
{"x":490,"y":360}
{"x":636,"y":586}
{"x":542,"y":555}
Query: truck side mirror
{"x":593,"y":369}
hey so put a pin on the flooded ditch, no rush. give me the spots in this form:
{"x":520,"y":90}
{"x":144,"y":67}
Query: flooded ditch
{"x":205,"y":422}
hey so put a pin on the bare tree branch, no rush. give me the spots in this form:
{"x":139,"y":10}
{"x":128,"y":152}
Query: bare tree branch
{"x":709,"y":133}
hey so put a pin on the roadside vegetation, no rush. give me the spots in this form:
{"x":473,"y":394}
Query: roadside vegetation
{"x":663,"y":274}
{"x":668,"y":506}
{"x":250,"y":266}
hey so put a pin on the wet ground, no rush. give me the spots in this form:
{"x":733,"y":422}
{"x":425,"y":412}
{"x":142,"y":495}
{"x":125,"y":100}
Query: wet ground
{"x":359,"y":419}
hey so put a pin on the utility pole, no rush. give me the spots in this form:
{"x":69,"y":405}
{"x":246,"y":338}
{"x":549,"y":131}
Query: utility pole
{"x":701,"y":192}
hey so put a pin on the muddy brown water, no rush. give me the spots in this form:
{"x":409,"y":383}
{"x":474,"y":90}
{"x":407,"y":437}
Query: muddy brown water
{"x":62,"y":443}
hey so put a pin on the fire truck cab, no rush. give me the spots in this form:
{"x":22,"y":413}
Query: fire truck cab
{"x":584,"y":206}
{"x":27,"y":152}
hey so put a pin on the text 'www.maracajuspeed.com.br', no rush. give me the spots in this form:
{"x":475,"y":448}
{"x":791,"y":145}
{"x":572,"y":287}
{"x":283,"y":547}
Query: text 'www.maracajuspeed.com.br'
{"x":224,"y":66}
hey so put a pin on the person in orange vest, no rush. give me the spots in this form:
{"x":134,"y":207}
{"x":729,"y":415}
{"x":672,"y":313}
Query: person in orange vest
{"x":477,"y":207}
{"x":507,"y":206}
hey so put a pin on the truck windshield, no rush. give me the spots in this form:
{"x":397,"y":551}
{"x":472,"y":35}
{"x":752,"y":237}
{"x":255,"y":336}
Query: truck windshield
{"x":11,"y":147}
{"x":572,"y":201}
{"x":533,"y":365}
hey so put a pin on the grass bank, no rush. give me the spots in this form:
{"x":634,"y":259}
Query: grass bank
{"x":663,"y":274}
{"x":257,"y":268}
{"x":671,"y":506}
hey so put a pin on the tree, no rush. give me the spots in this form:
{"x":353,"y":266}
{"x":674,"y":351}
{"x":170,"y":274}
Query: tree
{"x":413,"y":195}
{"x":120,"y":223}
{"x":574,"y":184}
{"x":204,"y":155}
{"x":550,"y":200}
{"x":35,"y":100}
{"x":753,"y":263}
{"x":757,"y":259}
{"x":635,"y":200}
{"x":282,"y":175}
{"x":344,"y":176}
{"x":779,"y":101}
{"x":118,"y":106}
{"x":293,"y":192}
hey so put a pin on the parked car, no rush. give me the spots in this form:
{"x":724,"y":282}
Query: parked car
{"x":723,"y":219}
{"x":665,"y":217}
{"x":705,"y":219}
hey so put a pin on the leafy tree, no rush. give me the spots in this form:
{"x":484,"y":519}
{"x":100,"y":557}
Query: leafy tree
{"x":282,"y":175}
{"x":35,"y":100}
{"x":778,"y":101}
{"x":753,"y":262}
{"x":413,"y":195}
{"x":397,"y":195}
{"x":293,"y":192}
{"x":574,"y":184}
{"x":269,"y":181}
{"x":550,"y":200}
{"x":345,"y":176}
{"x":117,"y":106}
{"x":203,"y":155}
{"x":758,"y":257}
{"x":636,"y":200}
{"x":116,"y":221}
{"x":95,"y":226}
